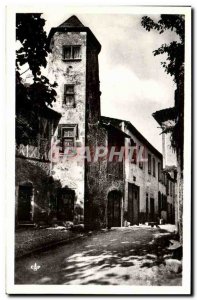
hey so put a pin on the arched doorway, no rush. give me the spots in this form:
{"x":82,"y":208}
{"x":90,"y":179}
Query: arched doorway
{"x":114,"y":208}
{"x":25,"y":194}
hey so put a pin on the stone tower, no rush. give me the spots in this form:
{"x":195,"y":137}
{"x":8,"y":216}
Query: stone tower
{"x":73,"y":64}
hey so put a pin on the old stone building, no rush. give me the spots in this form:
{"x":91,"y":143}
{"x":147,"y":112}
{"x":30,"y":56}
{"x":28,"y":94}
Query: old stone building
{"x":94,"y":181}
{"x":35,"y":188}
{"x":73,"y":63}
{"x":144,"y":189}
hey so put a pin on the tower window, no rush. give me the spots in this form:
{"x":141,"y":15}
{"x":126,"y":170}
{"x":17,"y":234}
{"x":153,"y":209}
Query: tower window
{"x":69,"y":95}
{"x":149,"y":164}
{"x":67,"y":133}
{"x":71,"y":52}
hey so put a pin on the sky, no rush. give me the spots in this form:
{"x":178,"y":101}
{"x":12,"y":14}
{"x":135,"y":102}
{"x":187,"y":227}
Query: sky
{"x":132,"y":81}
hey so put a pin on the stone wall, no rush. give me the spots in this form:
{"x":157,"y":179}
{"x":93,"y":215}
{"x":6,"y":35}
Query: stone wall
{"x":70,"y":171}
{"x":147,"y":183}
{"x":99,"y":182}
{"x":36,"y":173}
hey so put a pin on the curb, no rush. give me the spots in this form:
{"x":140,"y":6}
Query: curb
{"x":49,"y":246}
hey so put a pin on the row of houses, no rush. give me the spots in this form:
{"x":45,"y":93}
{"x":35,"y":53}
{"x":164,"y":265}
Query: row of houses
{"x":84,"y":167}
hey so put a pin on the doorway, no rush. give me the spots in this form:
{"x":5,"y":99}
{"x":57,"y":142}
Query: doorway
{"x":152,"y":210}
{"x":133,"y":203}
{"x":65,"y":204}
{"x":114,"y":208}
{"x":25,"y":194}
{"x":159,"y":204}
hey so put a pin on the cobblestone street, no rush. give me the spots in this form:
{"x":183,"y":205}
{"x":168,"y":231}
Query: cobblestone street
{"x":125,"y":256}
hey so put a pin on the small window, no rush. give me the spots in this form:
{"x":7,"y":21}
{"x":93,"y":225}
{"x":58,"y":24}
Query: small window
{"x":141,"y":158}
{"x":67,"y":135}
{"x":68,"y":132}
{"x":165,"y":179}
{"x":135,"y":156}
{"x":162,"y":178}
{"x":153,"y":166}
{"x":134,"y":153}
{"x":69,"y":95}
{"x":76,"y":52}
{"x":71,"y":52}
{"x":67,"y":143}
{"x":149,"y":164}
{"x":67,"y":53}
{"x":159,"y":171}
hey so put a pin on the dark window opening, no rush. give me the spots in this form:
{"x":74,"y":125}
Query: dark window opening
{"x":153,"y":166}
{"x":141,"y":157}
{"x":72,"y":52}
{"x":149,"y":164}
{"x":159,"y":171}
{"x":69,"y":95}
{"x":164,"y":202}
{"x":65,"y":204}
{"x":134,"y":154}
{"x":24,"y":203}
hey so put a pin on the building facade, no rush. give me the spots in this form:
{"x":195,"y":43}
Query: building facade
{"x":144,"y":188}
{"x":84,"y":184}
{"x":35,"y":191}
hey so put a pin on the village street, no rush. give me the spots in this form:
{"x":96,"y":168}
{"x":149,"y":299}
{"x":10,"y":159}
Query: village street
{"x":118,"y":256}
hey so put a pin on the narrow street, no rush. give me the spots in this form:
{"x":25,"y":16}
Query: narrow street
{"x":118,"y":256}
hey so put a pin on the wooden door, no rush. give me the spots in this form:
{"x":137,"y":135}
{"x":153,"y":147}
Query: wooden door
{"x":65,"y":205}
{"x":152,"y":210}
{"x":159,"y":204}
{"x":24,"y":203}
{"x":133,"y":204}
{"x":114,"y":209}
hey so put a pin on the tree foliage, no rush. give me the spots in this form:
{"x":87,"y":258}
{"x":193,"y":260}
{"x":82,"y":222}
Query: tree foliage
{"x":174,"y":66}
{"x":31,"y":98}
{"x":175,"y":49}
{"x":33,"y":39}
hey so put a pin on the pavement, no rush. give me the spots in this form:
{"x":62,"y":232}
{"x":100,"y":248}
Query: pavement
{"x":31,"y":240}
{"x":126,"y":256}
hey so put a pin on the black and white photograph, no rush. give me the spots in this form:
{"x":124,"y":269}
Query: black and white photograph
{"x":99,"y":197}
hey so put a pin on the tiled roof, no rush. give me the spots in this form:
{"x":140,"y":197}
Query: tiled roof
{"x":132,"y":129}
{"x":72,"y":22}
{"x":164,"y":115}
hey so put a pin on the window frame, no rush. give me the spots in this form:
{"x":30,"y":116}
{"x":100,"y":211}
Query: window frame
{"x":154,"y":167}
{"x":66,"y":94}
{"x":71,"y":58}
{"x":149,"y":163}
{"x":62,"y":138}
{"x":141,"y":163}
{"x":159,"y":171}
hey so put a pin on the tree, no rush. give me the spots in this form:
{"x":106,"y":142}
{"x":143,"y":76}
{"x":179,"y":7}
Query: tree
{"x":174,"y":65}
{"x":175,"y":50}
{"x":31,"y":98}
